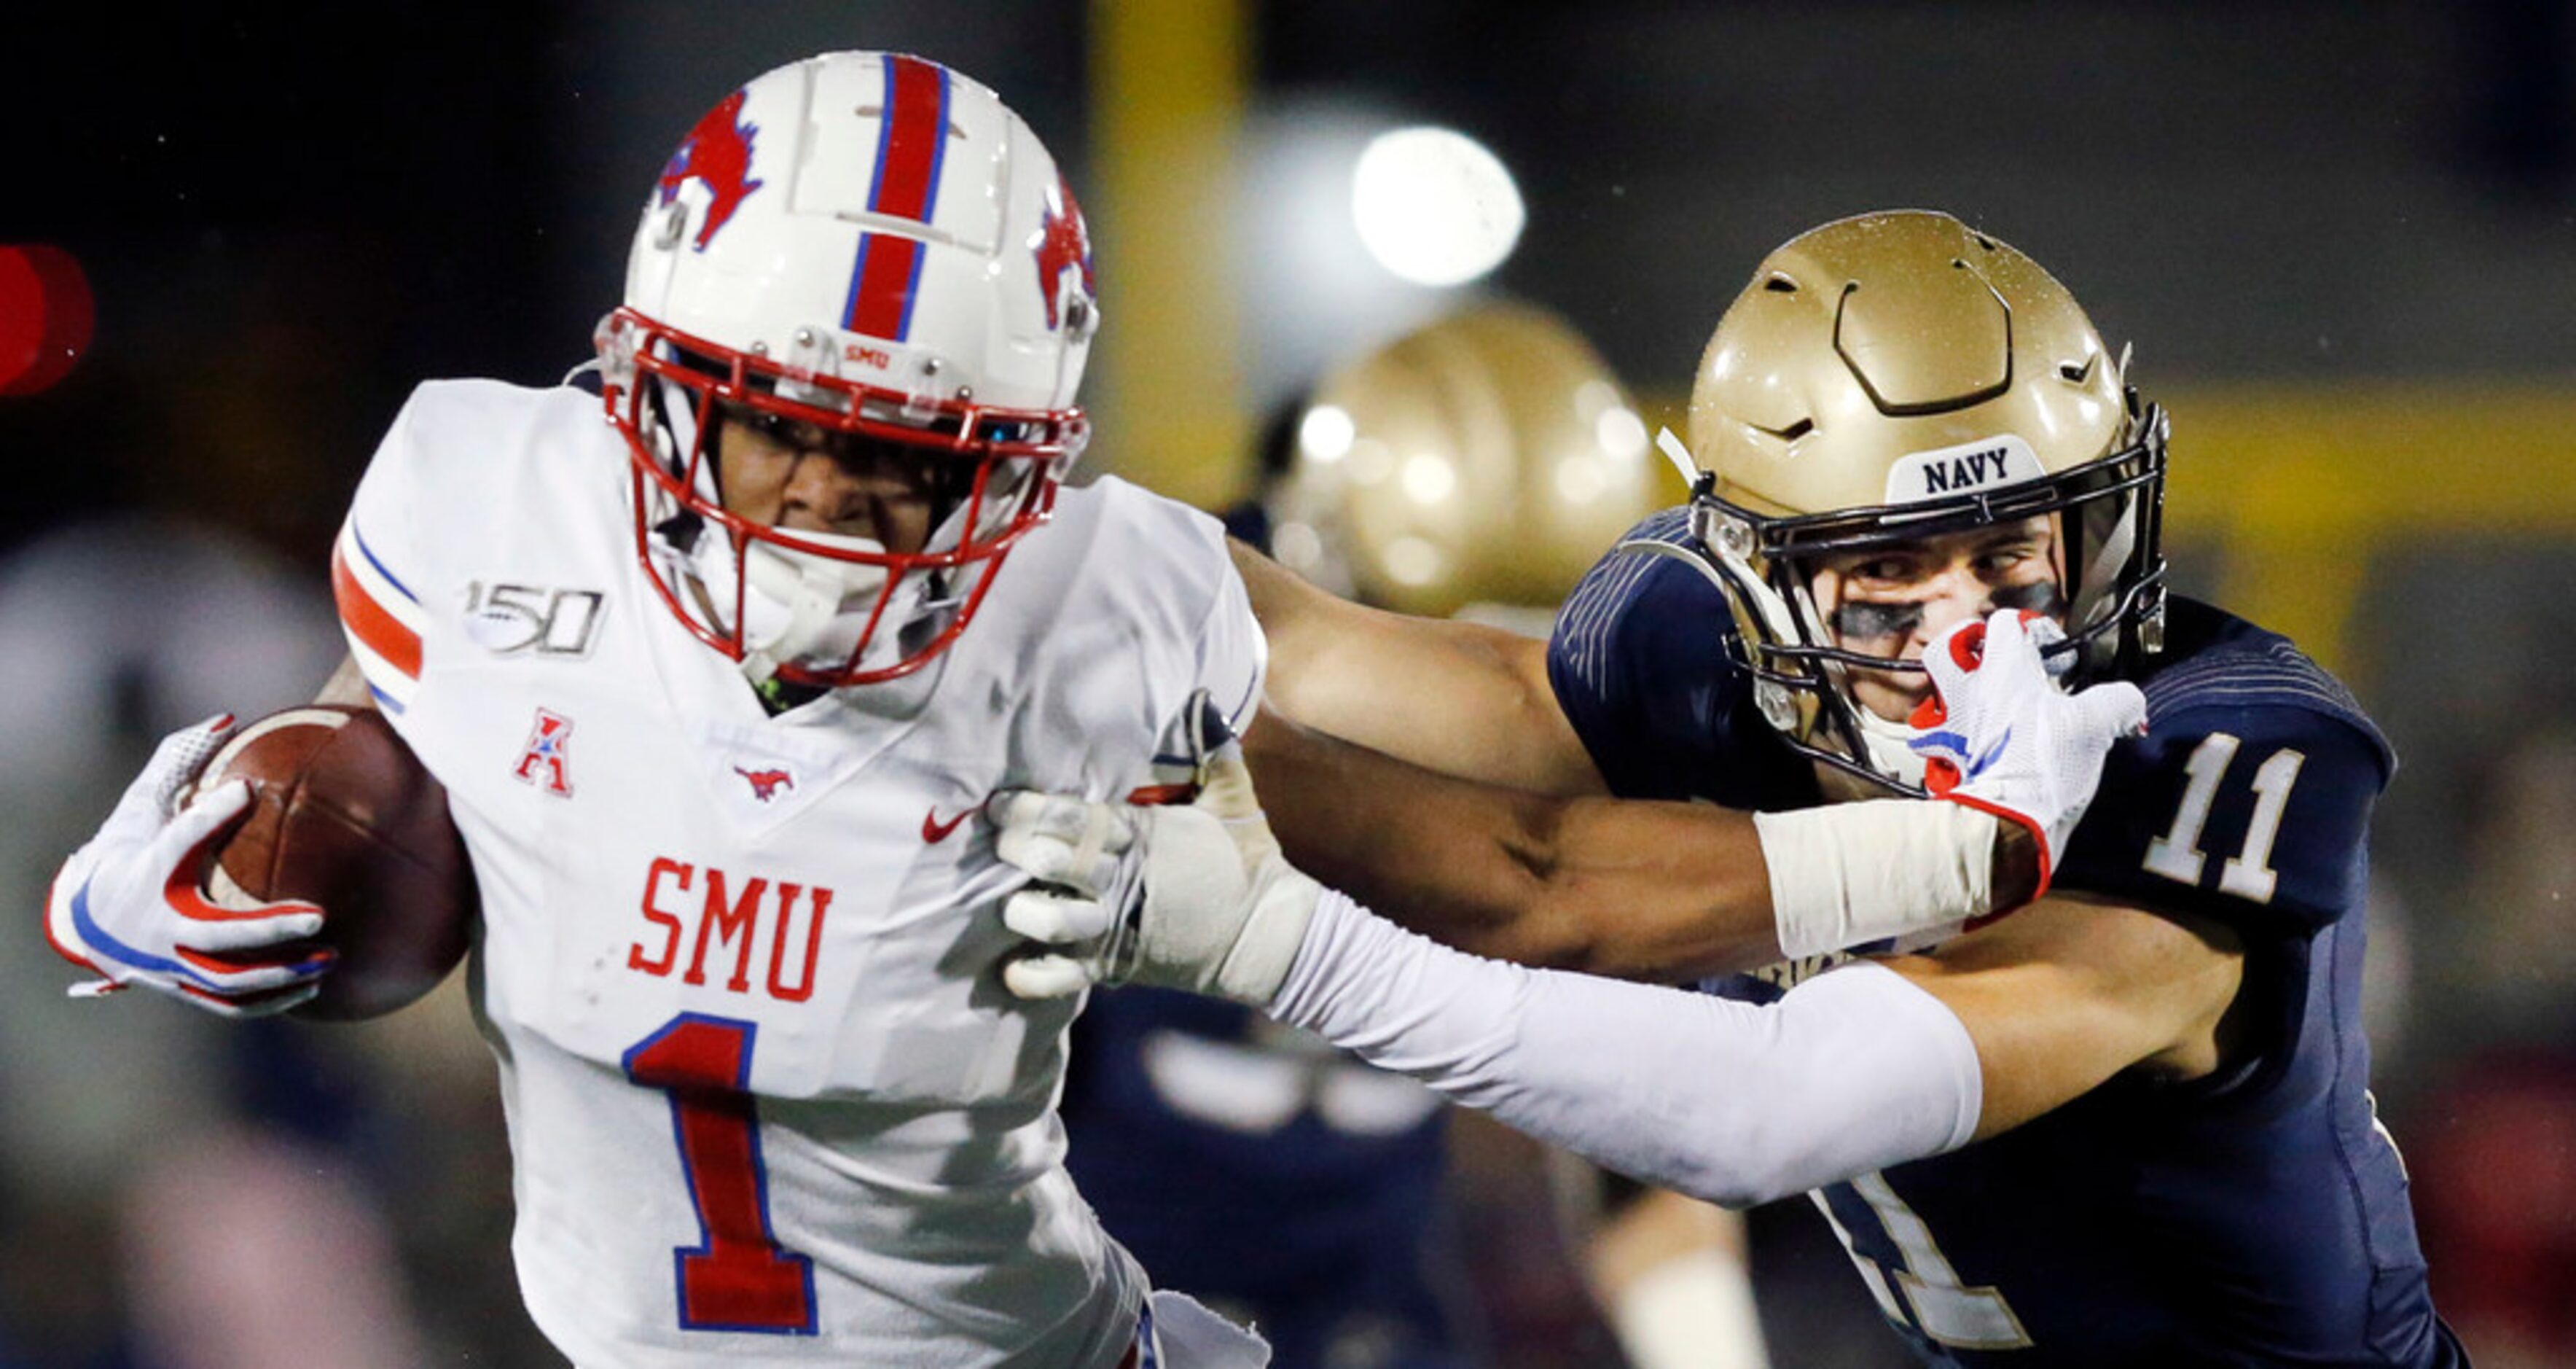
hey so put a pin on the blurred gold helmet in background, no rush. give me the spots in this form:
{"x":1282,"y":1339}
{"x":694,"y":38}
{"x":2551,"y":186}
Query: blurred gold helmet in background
{"x":1893,"y":376}
{"x":1486,"y":458}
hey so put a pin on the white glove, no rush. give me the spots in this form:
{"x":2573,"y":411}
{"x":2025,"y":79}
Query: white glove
{"x":1077,"y":850}
{"x":1999,"y":734}
{"x":130,"y":906}
{"x":1194,"y":897}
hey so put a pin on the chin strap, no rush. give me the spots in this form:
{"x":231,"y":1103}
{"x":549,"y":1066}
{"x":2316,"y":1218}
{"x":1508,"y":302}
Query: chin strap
{"x":800,"y":603}
{"x":1890,"y":745}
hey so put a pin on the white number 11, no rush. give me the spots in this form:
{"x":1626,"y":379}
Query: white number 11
{"x":2248,"y":874}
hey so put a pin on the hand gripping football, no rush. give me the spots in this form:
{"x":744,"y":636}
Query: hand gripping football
{"x":345,"y":817}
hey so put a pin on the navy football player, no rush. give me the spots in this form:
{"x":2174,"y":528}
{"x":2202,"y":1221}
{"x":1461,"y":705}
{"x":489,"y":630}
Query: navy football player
{"x":2129,"y":1124}
{"x":1303,"y":1191}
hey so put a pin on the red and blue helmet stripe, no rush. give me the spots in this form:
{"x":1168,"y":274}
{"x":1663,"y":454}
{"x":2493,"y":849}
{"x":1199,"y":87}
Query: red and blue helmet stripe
{"x":912,"y":147}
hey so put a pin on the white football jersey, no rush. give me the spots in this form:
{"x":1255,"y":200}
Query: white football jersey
{"x":767,"y":1102}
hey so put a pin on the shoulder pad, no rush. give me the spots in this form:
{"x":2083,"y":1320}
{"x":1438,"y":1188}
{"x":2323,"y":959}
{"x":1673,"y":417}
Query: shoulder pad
{"x":1588,"y":625}
{"x":2252,"y":668}
{"x":1640,"y":664}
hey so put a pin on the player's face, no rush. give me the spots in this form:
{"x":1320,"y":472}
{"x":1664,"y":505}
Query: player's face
{"x":795,"y":476}
{"x":1893,"y":600}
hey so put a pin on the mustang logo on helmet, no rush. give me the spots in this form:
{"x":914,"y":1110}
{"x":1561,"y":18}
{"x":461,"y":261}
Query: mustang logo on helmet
{"x":717,"y":153}
{"x":1064,"y":244}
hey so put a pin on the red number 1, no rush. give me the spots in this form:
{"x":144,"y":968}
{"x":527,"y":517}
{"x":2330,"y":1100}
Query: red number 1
{"x":738,"y":1277}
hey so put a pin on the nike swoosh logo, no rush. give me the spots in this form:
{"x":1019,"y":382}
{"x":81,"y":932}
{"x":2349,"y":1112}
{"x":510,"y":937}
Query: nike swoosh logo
{"x":1993,"y":754}
{"x":934,"y":831}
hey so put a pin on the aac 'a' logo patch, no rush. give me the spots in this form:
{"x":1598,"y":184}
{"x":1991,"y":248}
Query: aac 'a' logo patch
{"x":545,"y":761}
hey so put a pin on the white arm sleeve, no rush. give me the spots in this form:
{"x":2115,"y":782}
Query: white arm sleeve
{"x":1852,"y":1071}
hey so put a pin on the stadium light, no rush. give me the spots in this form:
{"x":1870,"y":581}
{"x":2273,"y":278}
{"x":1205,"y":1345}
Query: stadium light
{"x":1435,"y":206}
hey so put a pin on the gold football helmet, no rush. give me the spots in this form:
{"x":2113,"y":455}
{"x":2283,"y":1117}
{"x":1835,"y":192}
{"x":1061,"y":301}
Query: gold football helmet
{"x":1894,"y":376}
{"x":1486,"y":458}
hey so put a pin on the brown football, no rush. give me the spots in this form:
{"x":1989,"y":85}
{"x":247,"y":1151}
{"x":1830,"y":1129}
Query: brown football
{"x":345,"y":817}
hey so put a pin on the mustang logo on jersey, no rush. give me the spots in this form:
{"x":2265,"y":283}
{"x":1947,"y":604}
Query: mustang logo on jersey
{"x":542,"y":761}
{"x":765,"y":784}
{"x":725,"y":917}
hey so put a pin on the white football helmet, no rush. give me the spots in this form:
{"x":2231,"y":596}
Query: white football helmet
{"x":874,"y":245}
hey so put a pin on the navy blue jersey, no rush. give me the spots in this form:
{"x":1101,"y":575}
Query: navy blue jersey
{"x":2258,"y":1216}
{"x":1277,"y":1179}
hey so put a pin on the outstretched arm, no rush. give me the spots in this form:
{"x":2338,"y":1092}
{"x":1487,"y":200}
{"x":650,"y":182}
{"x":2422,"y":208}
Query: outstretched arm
{"x":1643,"y":889}
{"x":1630,"y":888}
{"x":1854,"y":1070}
{"x":1665,"y":891}
{"x":1370,"y":714}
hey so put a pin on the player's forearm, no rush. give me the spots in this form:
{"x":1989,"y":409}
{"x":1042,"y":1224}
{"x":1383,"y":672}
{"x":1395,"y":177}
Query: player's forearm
{"x":1668,"y":1272}
{"x":1442,"y":695}
{"x":1627,"y":888}
{"x":1738,"y":1104}
{"x":1456,"y":698}
{"x":1680,"y":891}
{"x":1636,"y":889}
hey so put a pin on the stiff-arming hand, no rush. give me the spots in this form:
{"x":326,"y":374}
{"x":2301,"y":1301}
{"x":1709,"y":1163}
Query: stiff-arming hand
{"x":2000,"y":735}
{"x":1193,"y":896}
{"x":130,"y":906}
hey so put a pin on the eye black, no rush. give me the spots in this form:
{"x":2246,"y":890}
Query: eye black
{"x":2039,"y":596}
{"x":1870,"y":620}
